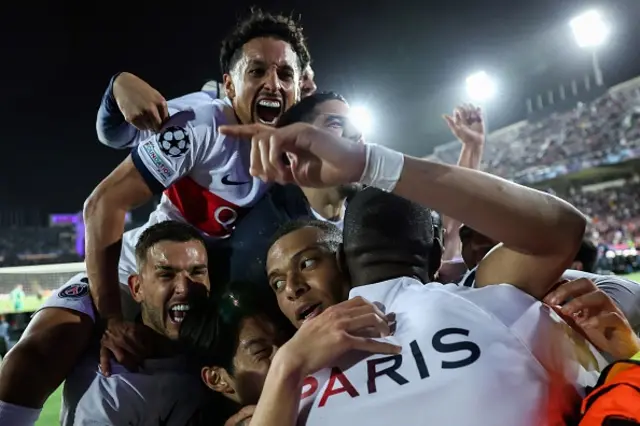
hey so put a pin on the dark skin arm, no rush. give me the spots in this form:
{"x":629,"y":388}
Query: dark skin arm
{"x":540,"y":233}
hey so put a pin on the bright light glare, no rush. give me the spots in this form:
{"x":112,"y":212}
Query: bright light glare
{"x":480,"y":87}
{"x":589,"y":29}
{"x":361,"y":118}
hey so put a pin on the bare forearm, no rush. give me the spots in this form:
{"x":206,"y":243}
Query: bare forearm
{"x":470,"y":156}
{"x":524,"y":219}
{"x":104,"y":228}
{"x":280,"y":399}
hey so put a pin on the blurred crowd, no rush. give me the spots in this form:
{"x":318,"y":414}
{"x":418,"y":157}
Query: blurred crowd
{"x":603,"y":132}
{"x":37,"y":245}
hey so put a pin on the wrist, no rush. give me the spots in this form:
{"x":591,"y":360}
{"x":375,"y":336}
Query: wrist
{"x":288,"y":368}
{"x":383,"y":167}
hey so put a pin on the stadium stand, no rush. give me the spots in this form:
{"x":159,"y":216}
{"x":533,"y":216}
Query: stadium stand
{"x":602,"y":133}
{"x":37,"y":245}
{"x":589,"y":156}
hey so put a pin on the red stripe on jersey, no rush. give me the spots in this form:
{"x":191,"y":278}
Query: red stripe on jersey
{"x":208,"y":212}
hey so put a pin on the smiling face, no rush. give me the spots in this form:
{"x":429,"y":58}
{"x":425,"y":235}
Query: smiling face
{"x":265,"y":80}
{"x":304,"y":273}
{"x":171,"y":276}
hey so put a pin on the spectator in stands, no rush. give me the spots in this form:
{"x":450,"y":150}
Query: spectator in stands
{"x":603,"y":132}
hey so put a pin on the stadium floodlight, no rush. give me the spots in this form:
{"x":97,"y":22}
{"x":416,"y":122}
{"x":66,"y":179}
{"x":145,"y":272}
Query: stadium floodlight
{"x":361,"y":118}
{"x":480,"y":87}
{"x":589,"y":29}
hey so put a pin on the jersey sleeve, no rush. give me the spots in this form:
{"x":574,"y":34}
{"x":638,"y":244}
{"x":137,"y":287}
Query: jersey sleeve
{"x":114,"y":132}
{"x":173,"y":153}
{"x":111,"y":127}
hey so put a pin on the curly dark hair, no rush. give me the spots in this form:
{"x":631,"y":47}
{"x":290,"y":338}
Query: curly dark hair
{"x":263,"y":24}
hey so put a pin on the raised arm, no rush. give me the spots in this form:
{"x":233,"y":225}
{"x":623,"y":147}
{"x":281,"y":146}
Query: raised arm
{"x":467,"y":126}
{"x":540,"y":233}
{"x":152,"y":167}
{"x":129,"y":112}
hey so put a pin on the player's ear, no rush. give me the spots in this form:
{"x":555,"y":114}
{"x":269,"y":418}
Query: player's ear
{"x":135,"y":287}
{"x":229,"y":87}
{"x":218,"y":380}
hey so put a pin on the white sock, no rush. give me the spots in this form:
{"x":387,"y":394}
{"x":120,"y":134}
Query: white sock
{"x":383,"y":167}
{"x":16,"y":415}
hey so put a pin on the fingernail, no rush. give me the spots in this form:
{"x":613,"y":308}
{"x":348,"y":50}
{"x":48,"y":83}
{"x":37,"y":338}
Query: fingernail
{"x":380,"y":306}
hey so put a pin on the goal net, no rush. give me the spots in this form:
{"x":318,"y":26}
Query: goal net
{"x":37,"y":281}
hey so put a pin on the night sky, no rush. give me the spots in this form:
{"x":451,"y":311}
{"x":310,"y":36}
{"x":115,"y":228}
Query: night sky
{"x":407,"y":62}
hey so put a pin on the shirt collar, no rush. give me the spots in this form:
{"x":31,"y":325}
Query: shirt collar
{"x":384,"y":292}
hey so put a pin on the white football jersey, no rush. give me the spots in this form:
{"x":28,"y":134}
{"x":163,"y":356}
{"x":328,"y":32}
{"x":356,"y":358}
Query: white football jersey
{"x":162,"y":392}
{"x":203,"y":175}
{"x":488,"y":357}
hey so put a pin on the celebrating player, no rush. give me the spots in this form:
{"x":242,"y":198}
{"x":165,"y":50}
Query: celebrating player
{"x":516,"y":215}
{"x":204,"y":179}
{"x":172,"y":276}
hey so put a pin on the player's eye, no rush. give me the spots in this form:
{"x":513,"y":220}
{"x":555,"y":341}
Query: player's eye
{"x":308,"y":263}
{"x":257,"y":72}
{"x":278,"y":285}
{"x":285,"y":75}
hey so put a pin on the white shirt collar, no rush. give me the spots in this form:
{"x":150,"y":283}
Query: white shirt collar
{"x":384,"y":292}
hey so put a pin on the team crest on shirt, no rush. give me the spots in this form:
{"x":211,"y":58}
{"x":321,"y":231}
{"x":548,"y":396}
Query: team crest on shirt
{"x":174,"y":142}
{"x":74,"y":291}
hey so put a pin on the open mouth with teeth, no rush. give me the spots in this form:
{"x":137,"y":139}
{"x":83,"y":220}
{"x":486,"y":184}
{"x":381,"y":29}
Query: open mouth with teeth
{"x":267,"y":111}
{"x":309,"y":312}
{"x":178,"y":312}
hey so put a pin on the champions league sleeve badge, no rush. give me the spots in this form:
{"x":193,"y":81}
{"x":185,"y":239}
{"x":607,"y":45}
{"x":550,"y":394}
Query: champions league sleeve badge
{"x":174,"y":142}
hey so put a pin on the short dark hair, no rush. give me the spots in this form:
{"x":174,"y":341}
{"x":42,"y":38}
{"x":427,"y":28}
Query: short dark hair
{"x":210,"y":331}
{"x":333,"y":235}
{"x":384,"y":226}
{"x":305,"y":110}
{"x":169,"y":230}
{"x":263,"y":24}
{"x":587,"y":255}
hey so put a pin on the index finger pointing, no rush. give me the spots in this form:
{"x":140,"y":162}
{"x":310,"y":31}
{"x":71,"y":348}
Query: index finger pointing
{"x":241,"y":130}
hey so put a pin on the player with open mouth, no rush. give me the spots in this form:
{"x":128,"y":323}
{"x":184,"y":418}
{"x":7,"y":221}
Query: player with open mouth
{"x":267,"y":110}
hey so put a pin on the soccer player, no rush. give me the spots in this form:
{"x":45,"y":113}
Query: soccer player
{"x":540,"y":235}
{"x":171,"y":277}
{"x":131,"y":109}
{"x":17,"y":297}
{"x":231,"y":344}
{"x":450,"y":335}
{"x":204,"y":178}
{"x":308,"y":82}
{"x":251,"y":237}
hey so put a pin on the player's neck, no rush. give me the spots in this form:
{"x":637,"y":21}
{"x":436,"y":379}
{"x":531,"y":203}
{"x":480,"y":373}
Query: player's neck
{"x":327,"y":202}
{"x":373,"y":274}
